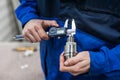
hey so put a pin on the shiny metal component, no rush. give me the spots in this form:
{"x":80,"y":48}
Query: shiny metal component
{"x":71,"y":47}
{"x":66,"y":23}
{"x":73,"y":27}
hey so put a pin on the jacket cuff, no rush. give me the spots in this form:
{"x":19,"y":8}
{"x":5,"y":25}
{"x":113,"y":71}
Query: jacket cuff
{"x":98,"y":63}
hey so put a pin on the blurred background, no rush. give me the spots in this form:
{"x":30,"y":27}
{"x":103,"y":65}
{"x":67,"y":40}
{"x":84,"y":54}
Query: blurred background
{"x":19,"y":60}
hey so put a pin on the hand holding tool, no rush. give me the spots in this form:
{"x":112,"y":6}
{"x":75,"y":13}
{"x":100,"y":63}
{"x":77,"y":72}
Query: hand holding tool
{"x":53,"y":32}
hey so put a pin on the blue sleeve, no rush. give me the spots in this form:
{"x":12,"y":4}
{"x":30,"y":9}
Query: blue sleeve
{"x":104,"y":61}
{"x":27,"y":11}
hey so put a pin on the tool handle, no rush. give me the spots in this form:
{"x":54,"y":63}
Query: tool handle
{"x":19,"y":37}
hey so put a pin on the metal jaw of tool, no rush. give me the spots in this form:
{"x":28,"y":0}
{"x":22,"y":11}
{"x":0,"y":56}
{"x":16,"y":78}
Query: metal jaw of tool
{"x":70,"y":47}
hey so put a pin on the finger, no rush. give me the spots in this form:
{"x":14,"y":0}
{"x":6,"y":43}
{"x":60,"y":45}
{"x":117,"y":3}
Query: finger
{"x":27,"y":39}
{"x":80,"y":68}
{"x":61,"y":62}
{"x":71,"y":69}
{"x":83,"y":64}
{"x":80,"y":71}
{"x":48,"y":23}
{"x":77,"y":68}
{"x":74,"y":74}
{"x":67,"y":69}
{"x":85,"y":69}
{"x":62,"y":57}
{"x":43,"y":35}
{"x":74,"y":68}
{"x":72,"y":61}
{"x":35,"y":34}
{"x":40,"y":31}
{"x":64,"y":68}
{"x":29,"y":36}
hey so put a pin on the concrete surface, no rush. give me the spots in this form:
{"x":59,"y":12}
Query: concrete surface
{"x":11,"y":62}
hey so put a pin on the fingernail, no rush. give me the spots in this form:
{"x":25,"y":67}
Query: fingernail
{"x":66,"y":63}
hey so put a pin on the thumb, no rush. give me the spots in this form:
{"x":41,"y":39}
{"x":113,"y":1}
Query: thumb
{"x":48,"y":23}
{"x":72,"y":61}
{"x":61,"y":61}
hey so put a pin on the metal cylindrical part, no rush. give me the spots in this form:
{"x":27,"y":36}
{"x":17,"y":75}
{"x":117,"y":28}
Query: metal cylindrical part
{"x":70,"y":48}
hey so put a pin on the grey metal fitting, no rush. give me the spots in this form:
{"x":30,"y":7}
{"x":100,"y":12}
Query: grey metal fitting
{"x":70,"y":48}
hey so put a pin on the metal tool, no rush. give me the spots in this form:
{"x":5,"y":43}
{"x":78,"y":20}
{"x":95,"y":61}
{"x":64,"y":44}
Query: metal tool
{"x":53,"y":32}
{"x":71,"y":47}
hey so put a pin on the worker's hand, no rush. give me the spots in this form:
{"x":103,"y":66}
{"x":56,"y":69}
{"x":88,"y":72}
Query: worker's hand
{"x":76,"y":65}
{"x":34,"y":29}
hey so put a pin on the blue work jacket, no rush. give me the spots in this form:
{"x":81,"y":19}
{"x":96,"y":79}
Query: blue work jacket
{"x":104,"y":56}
